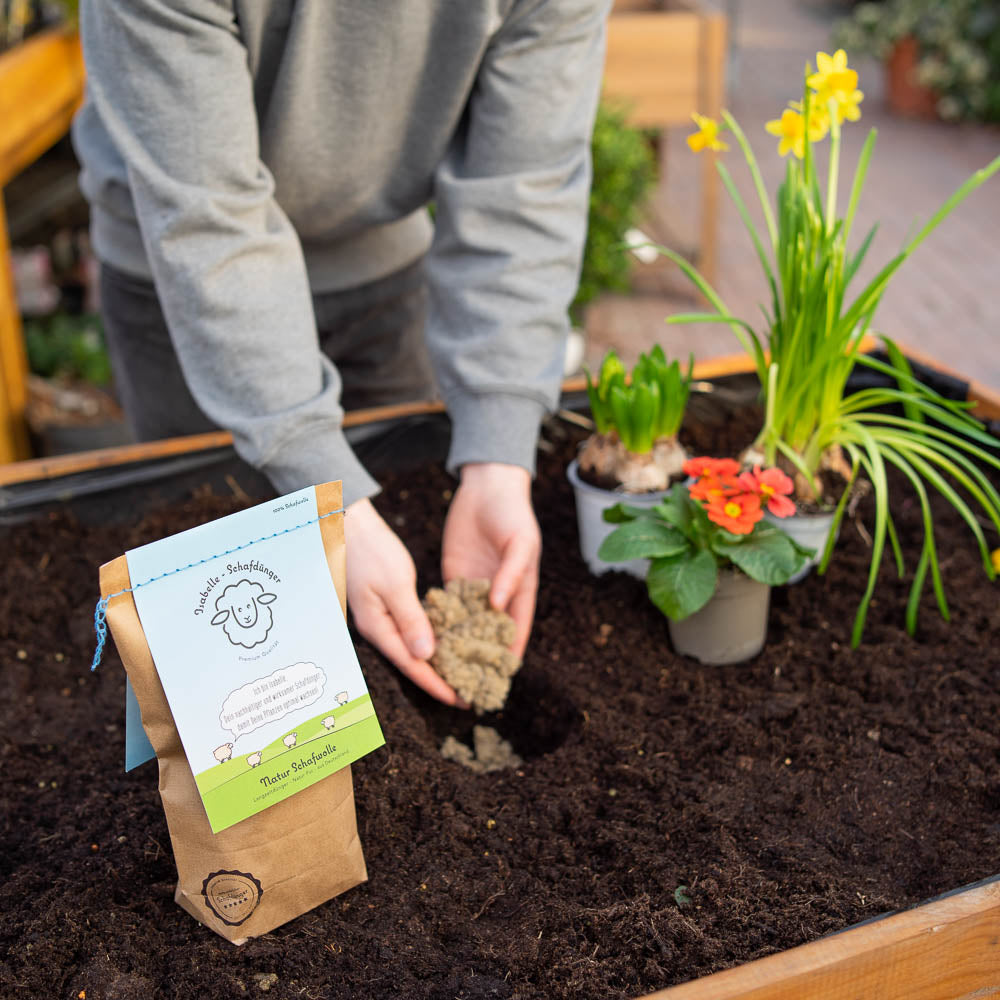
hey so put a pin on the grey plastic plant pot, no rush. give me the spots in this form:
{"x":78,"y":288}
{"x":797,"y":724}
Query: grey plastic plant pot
{"x":591,"y":502}
{"x":731,"y":628}
{"x":809,"y":530}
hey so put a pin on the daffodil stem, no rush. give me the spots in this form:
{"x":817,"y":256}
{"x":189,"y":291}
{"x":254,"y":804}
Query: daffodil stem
{"x":833,"y":178}
{"x":769,"y":406}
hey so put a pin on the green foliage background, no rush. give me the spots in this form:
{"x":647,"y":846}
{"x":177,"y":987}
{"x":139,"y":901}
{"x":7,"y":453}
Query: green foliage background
{"x":959,"y":44}
{"x":624,"y":172}
{"x":63,"y":345}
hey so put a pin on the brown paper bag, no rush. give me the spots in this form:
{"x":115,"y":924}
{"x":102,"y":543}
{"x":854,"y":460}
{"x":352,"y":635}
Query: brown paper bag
{"x":275,"y":865}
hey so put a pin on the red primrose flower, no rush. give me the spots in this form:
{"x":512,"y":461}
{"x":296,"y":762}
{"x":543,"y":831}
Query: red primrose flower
{"x":733,"y":499}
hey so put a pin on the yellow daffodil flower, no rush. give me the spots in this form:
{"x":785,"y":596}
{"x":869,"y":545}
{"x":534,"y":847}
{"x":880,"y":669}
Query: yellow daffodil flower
{"x":834,"y":80}
{"x":995,"y":559}
{"x":832,"y":73}
{"x":791,"y":128}
{"x":819,"y":119}
{"x":847,"y":104}
{"x":707,"y":136}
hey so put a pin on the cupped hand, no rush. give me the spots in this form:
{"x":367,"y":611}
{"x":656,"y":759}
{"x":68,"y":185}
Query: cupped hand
{"x":382,"y":595}
{"x":491,"y":532}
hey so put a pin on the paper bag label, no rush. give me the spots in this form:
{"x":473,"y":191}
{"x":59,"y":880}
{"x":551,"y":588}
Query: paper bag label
{"x":254,"y":655}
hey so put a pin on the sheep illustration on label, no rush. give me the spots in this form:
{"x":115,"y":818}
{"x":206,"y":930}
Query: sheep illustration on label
{"x":243,"y":610}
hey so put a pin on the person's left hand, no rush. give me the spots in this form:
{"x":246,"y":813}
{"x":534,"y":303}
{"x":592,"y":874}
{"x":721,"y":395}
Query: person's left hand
{"x":491,"y":532}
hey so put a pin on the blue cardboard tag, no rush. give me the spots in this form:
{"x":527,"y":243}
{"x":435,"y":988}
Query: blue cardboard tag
{"x":138,"y":749}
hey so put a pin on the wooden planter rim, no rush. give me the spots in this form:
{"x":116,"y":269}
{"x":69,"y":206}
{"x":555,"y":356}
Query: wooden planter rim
{"x":943,"y":950}
{"x":987,"y":407}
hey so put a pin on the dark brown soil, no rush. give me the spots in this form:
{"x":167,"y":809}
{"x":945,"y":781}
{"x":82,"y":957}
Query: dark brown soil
{"x":793,"y":795}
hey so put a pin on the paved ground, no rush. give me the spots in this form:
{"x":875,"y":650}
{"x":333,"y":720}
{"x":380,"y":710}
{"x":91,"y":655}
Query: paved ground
{"x":946,"y":298}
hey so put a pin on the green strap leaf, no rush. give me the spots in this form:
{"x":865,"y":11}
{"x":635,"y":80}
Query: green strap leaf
{"x":619,"y":398}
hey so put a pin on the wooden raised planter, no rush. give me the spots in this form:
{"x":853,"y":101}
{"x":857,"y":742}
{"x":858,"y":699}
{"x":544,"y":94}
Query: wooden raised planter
{"x":665,"y":59}
{"x":946,"y":949}
{"x":41,"y":86}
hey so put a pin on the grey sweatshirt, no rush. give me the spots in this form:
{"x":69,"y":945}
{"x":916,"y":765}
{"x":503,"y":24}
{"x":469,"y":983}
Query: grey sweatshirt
{"x":243,"y":153}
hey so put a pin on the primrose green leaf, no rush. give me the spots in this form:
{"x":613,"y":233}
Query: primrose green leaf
{"x":642,"y":539}
{"x":675,"y":509}
{"x":623,"y":512}
{"x":680,"y":586}
{"x":768,"y":555}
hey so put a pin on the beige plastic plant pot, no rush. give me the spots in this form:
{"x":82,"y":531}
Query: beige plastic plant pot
{"x":591,"y":502}
{"x":809,"y":530}
{"x":731,"y":628}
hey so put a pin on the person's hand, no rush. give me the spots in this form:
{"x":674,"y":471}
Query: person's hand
{"x":382,"y":594}
{"x":491,"y":533}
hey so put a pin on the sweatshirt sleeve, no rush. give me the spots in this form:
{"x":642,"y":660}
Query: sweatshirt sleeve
{"x":512,"y":199}
{"x":171,"y":84}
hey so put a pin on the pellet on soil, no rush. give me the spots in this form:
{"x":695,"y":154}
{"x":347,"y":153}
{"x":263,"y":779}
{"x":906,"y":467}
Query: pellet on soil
{"x":492,"y":752}
{"x":473,"y":643}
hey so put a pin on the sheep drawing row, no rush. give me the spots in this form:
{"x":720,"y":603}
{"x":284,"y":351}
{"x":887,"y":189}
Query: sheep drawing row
{"x":225,"y":752}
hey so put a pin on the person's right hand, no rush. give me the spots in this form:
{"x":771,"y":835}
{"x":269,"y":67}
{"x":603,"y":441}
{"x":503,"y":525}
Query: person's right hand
{"x":382,"y":595}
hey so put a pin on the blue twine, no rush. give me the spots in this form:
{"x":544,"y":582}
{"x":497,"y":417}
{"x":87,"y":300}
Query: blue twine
{"x":100,"y":612}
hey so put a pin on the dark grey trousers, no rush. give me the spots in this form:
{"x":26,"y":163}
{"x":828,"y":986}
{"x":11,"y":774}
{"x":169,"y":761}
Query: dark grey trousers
{"x":373,"y":334}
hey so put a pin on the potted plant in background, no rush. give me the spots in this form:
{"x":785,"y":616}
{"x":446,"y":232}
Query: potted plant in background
{"x":712,"y":556}
{"x":634,"y":448}
{"x":71,"y":406}
{"x":813,"y":334}
{"x":941,"y":59}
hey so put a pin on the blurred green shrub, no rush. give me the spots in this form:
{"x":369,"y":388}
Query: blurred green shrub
{"x":66,"y":346}
{"x":624,"y":171}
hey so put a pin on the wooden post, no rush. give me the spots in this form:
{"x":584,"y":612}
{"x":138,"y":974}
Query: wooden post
{"x":712,"y":88}
{"x":13,"y":360}
{"x":41,"y":86}
{"x":662,"y":64}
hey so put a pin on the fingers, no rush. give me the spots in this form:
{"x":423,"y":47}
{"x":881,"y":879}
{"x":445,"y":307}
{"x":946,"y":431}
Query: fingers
{"x":381,"y":591}
{"x":379,"y":627}
{"x":518,"y":558}
{"x":522,"y":610}
{"x":515,"y":587}
{"x":410,"y":619}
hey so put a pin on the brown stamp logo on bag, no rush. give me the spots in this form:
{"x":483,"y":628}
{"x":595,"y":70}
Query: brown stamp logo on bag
{"x":232,"y":896}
